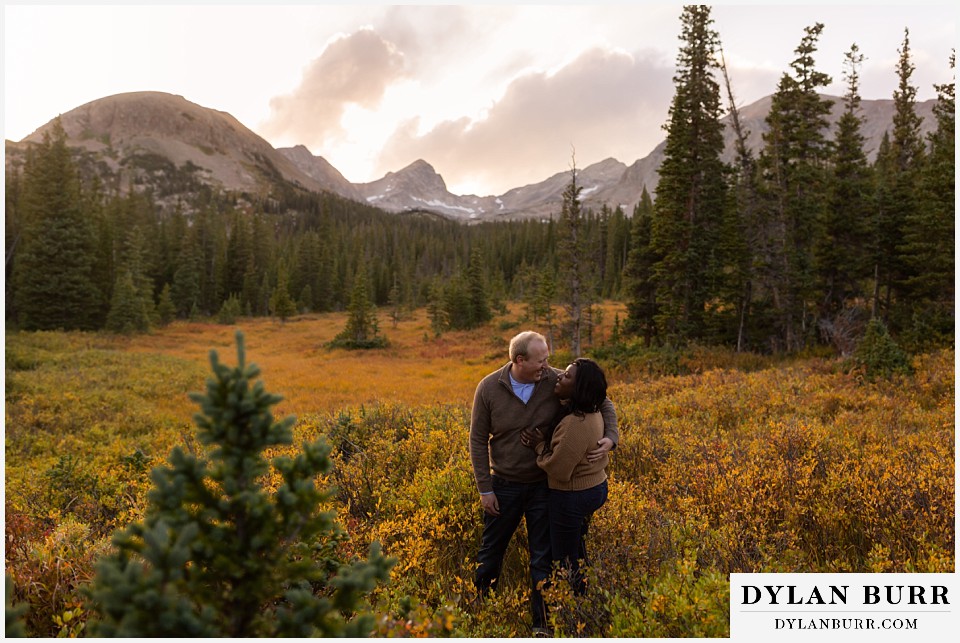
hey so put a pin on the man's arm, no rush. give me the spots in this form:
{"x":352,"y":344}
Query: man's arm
{"x":611,"y":435}
{"x":480,"y":452}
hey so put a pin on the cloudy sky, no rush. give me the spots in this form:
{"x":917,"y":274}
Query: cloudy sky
{"x":493,"y":96}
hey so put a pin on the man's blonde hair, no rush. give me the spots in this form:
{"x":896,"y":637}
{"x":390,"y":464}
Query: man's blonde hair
{"x":520,"y":344}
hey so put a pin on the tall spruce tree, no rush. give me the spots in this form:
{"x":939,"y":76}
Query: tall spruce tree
{"x":615,"y":252}
{"x":219,"y":552}
{"x":480,"y":312}
{"x":793,"y":163}
{"x":688,"y":211}
{"x":928,"y":240}
{"x":842,"y":248}
{"x":104,"y":271}
{"x":239,"y":251}
{"x":282,"y":304}
{"x":185,"y":290}
{"x":740,"y":227}
{"x":573,"y":269}
{"x":53,"y":271}
{"x":899,"y":172}
{"x":134,"y":260}
{"x":436,"y":312}
{"x":638,"y":273}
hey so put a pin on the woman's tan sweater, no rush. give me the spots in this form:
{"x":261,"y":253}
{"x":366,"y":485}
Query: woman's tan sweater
{"x":565,"y":459}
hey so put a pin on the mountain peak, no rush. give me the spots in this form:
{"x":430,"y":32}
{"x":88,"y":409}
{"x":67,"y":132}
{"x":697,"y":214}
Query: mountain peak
{"x":165,"y":142}
{"x":135,"y":133}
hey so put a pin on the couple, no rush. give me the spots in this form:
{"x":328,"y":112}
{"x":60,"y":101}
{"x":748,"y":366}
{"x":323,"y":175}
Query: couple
{"x":555,"y":479}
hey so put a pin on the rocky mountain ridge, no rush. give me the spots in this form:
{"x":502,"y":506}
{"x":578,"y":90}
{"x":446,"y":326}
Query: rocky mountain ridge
{"x":152,"y":138}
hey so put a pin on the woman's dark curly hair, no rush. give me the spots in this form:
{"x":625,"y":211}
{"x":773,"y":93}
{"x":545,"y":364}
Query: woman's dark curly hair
{"x":589,"y":387}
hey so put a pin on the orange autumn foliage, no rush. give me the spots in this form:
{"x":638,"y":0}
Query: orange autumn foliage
{"x":731,"y":463}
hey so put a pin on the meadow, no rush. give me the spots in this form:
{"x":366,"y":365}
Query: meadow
{"x":727,"y":463}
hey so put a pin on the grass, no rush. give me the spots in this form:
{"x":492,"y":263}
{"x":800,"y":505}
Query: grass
{"x":730,"y":463}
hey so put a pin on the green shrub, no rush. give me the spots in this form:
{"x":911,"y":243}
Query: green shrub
{"x":879,"y":354}
{"x":229,"y":311}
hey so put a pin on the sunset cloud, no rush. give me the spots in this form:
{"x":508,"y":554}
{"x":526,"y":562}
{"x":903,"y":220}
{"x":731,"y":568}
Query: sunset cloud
{"x":601,"y":97}
{"x":493,"y":96}
{"x":353,"y":70}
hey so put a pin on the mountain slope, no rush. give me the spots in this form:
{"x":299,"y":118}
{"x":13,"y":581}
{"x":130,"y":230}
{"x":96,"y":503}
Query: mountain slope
{"x":176,"y":147}
{"x":140,"y":133}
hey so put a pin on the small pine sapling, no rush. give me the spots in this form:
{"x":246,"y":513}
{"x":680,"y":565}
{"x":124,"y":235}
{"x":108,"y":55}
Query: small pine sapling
{"x":218,"y":553}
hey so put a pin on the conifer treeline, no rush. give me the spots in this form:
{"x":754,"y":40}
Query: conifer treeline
{"x":305,"y":247}
{"x":803,"y":243}
{"x":807,"y":241}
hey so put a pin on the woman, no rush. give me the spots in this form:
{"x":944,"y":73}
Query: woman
{"x":577,"y":487}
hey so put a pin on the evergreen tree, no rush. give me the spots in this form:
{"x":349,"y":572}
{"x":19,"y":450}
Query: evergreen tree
{"x":218,"y":554}
{"x":128,"y":314}
{"x":251,"y":289}
{"x":13,"y":233}
{"x":435,"y":308}
{"x":900,"y":199}
{"x":615,"y":252}
{"x":842,"y":248}
{"x":456,"y":303}
{"x":281,"y":303}
{"x":230,"y":311}
{"x":362,"y":330}
{"x":477,"y":291}
{"x":546,"y":295}
{"x":326,"y":284}
{"x":879,"y":354}
{"x":928,"y":241}
{"x":691,"y":192}
{"x":166,"y":310}
{"x":210,"y":244}
{"x":133,"y":260}
{"x":305,"y":300}
{"x":740,"y":229}
{"x":498,"y":292}
{"x":527,"y":282}
{"x":393,"y":301}
{"x":638,"y":273}
{"x":172,"y":231}
{"x":572,"y":258}
{"x":104,"y":271}
{"x":308,"y":267}
{"x":185,"y":290}
{"x":53,"y":271}
{"x":239,"y":253}
{"x":793,"y":165}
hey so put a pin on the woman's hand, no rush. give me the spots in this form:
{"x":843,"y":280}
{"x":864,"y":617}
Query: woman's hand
{"x":531,"y":437}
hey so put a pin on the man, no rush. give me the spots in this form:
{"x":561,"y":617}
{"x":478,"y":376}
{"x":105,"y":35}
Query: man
{"x":516,"y":397}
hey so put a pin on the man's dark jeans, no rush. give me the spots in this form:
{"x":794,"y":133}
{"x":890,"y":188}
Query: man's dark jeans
{"x":517,"y":500}
{"x":570,"y":513}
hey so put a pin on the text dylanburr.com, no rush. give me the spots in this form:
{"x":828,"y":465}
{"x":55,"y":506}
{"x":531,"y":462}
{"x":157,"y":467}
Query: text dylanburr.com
{"x":844,"y":607}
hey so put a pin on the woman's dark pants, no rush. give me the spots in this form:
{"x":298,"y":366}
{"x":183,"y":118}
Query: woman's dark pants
{"x":517,"y":501}
{"x":570,"y":513}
